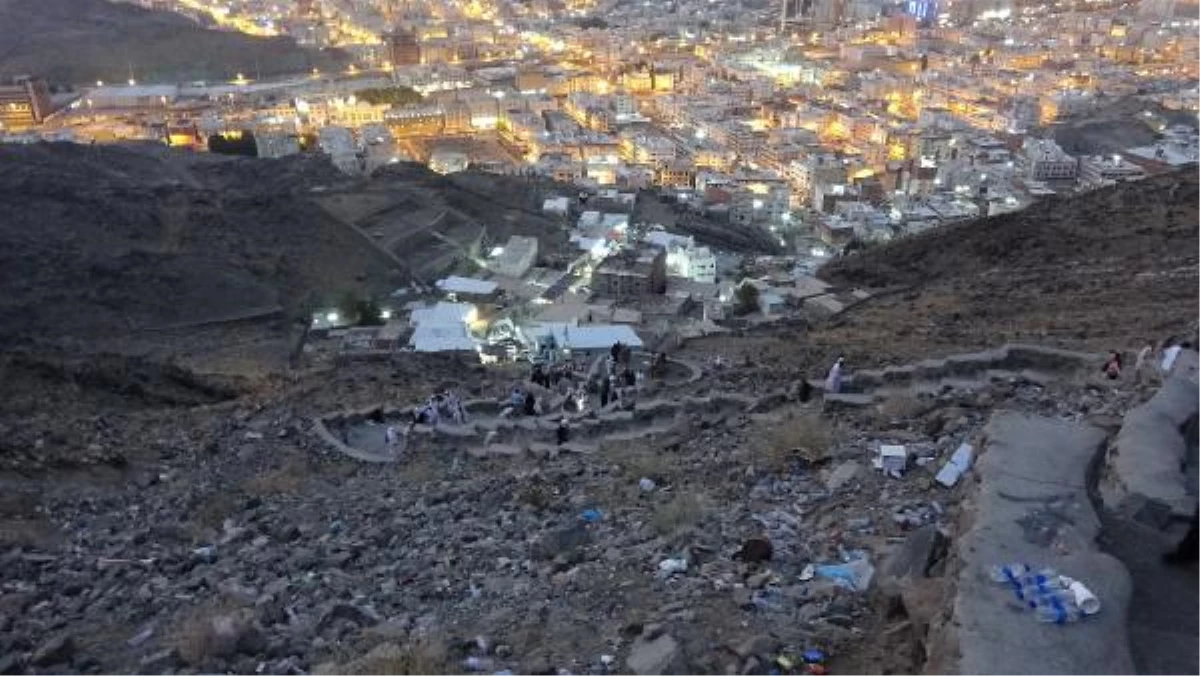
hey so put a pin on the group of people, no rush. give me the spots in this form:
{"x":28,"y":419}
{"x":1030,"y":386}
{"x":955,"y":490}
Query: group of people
{"x":1166,"y":355}
{"x":619,"y":380}
{"x":442,"y":405}
{"x":556,"y":375}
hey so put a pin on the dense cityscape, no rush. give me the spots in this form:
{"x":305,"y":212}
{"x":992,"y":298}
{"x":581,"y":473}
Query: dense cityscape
{"x":842,"y":119}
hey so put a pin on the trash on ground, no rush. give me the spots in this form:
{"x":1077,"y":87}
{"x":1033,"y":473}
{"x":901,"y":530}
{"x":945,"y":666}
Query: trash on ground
{"x":647,"y":485}
{"x":669,"y":567}
{"x":854,"y":575}
{"x":956,"y":466}
{"x":893,"y":460}
{"x":591,"y":515}
{"x":1054,"y":598}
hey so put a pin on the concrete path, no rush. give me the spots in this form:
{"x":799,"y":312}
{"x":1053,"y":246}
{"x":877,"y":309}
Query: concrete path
{"x":1033,"y":507}
{"x":1145,"y":477}
{"x":1143,"y":487}
{"x":1163,"y":617}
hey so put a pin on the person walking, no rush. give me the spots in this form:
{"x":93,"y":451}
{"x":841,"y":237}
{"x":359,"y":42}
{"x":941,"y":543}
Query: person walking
{"x":833,"y":381}
{"x":563,"y":433}
{"x":1142,"y":363}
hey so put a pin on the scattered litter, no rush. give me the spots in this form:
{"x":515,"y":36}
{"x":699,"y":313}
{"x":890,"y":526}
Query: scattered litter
{"x":205,"y":554}
{"x":477,"y":664}
{"x":956,"y":466}
{"x":669,"y":567}
{"x":813,"y":656}
{"x":1054,"y":598}
{"x":1084,"y":599}
{"x":141,"y":637}
{"x":893,"y":460}
{"x":591,"y":515}
{"x":647,"y":485}
{"x":808,"y":573}
{"x":854,"y":575}
{"x":606,"y":659}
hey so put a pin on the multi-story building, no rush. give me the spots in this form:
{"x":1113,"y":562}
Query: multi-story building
{"x":632,"y":273}
{"x":24,"y":103}
{"x":403,"y":48}
{"x":647,"y":149}
{"x":1046,"y":161}
{"x":421,"y":120}
{"x":678,"y":174}
{"x":1099,"y":171}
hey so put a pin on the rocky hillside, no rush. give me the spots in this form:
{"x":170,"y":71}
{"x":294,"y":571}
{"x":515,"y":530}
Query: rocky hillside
{"x":1111,"y":269}
{"x":105,"y":242}
{"x":81,"y":41}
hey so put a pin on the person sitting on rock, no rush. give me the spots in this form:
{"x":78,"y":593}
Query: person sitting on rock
{"x":1112,"y":367}
{"x":563,"y":433}
{"x":425,"y":415}
{"x":530,"y":404}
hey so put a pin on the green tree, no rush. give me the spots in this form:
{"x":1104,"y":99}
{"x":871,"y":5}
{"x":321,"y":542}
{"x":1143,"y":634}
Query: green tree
{"x":396,"y":96}
{"x":746,"y":297}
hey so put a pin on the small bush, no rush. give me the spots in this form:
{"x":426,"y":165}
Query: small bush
{"x":901,"y":407}
{"x":422,"y":656}
{"x":805,"y":437}
{"x":286,"y":479}
{"x":537,"y":495}
{"x":746,"y":297}
{"x":682,"y":511}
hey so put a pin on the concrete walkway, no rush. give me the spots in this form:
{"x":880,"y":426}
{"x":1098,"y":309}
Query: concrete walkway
{"x":1163,"y":618}
{"x":1033,"y":508}
{"x":1145,"y":495}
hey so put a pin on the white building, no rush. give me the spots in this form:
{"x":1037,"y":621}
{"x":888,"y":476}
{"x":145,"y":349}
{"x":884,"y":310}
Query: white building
{"x":1045,"y":161}
{"x":442,"y":328}
{"x":1098,"y":171}
{"x":516,"y":257}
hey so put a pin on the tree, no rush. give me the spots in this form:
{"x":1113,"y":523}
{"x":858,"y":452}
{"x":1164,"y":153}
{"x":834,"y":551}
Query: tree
{"x":746,"y":296}
{"x":396,"y":96}
{"x":360,"y":311}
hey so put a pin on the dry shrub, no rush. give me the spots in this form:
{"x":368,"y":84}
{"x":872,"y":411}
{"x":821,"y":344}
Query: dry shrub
{"x":28,"y":533}
{"x":900,"y":407}
{"x":647,"y":463}
{"x":537,"y":495}
{"x":213,"y":509}
{"x":195,"y":637}
{"x":422,"y":656}
{"x":806,"y":437}
{"x":418,"y":470}
{"x":682,"y":511}
{"x":287,"y":479}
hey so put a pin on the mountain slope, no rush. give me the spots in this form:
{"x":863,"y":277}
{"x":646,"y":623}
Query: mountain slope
{"x":1111,"y":269}
{"x":80,"y":41}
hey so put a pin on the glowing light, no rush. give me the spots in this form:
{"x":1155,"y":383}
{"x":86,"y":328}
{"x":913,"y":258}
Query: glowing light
{"x":331,"y":317}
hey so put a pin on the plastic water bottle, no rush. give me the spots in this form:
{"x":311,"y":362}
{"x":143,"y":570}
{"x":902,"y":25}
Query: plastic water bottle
{"x":1010,"y":574}
{"x":1044,"y":582}
{"x":1057,"y":609}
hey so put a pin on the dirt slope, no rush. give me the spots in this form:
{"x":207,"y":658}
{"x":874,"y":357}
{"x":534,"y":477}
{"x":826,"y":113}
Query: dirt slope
{"x":1107,"y":270}
{"x":102,"y":242}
